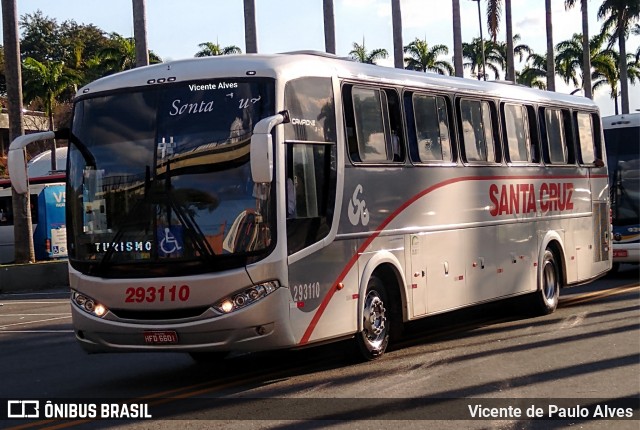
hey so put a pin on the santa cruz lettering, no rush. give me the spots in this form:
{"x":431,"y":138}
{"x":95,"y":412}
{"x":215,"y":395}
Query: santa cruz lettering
{"x":524,"y":198}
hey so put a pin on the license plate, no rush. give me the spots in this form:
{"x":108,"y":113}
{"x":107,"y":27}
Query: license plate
{"x":160,"y":337}
{"x":620,"y":253}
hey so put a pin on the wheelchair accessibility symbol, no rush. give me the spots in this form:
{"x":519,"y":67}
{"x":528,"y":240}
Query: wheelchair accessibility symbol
{"x":170,"y":240}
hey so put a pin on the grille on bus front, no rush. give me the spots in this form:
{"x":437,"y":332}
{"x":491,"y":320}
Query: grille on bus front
{"x":174,"y":314}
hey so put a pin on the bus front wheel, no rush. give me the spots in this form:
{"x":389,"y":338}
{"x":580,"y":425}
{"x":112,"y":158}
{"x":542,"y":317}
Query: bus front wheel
{"x":549,"y":281}
{"x":372,"y":341}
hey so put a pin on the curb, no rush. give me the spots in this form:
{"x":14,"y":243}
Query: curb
{"x":34,"y":277}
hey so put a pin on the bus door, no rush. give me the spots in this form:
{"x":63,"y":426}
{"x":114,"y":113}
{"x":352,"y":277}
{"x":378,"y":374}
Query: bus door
{"x":594,"y":257}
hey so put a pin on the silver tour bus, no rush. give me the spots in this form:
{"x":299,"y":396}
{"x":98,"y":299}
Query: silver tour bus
{"x":254,"y":202}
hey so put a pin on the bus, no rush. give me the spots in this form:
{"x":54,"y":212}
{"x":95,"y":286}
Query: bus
{"x":256,"y":202}
{"x":46,"y":191}
{"x":622,"y":136}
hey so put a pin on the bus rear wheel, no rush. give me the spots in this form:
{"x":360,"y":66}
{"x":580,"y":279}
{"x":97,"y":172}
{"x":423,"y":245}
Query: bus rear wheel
{"x":548,"y":294}
{"x":372,"y":341}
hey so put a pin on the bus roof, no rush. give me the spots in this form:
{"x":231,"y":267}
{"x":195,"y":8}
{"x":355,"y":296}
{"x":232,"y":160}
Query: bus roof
{"x":621,"y":121}
{"x":303,"y":63}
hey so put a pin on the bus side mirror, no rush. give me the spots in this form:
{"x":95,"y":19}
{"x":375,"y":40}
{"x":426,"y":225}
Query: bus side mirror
{"x":16,"y":161}
{"x":262,"y":147}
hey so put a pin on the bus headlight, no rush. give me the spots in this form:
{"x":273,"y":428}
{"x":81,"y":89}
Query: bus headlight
{"x":89,"y":305}
{"x":246,"y":297}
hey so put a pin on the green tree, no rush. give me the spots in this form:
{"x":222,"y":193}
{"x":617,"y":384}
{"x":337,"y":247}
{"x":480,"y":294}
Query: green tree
{"x":120,"y":55}
{"x":45,"y":82}
{"x":360,"y":53}
{"x":570,"y":64}
{"x":494,"y":9}
{"x":534,"y":74}
{"x":473,"y":52}
{"x":586,"y":52}
{"x":519,"y":50}
{"x":424,"y":58}
{"x":210,"y":49}
{"x":40,"y":37}
{"x":619,"y":17}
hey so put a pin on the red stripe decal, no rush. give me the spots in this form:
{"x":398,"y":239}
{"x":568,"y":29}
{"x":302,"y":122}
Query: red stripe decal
{"x":374,"y":234}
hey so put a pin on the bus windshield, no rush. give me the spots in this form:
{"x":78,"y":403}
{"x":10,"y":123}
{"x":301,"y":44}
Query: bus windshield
{"x":624,"y":174}
{"x":167,"y":181}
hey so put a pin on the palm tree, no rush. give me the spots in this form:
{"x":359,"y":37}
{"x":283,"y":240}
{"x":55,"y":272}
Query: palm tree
{"x":140,"y":33}
{"x":329,"y":26}
{"x":457,"y":39}
{"x":493,"y":19}
{"x":23,"y":238}
{"x":46,"y":82}
{"x":210,"y":49}
{"x":519,"y":50}
{"x":492,"y":58}
{"x":551,"y":72}
{"x":423,"y":58}
{"x":619,"y":16}
{"x":534,"y":73}
{"x":570,"y":59}
{"x":121,"y":55}
{"x":606,"y":72}
{"x":360,"y":53}
{"x":250,"y":30}
{"x":396,"y":20}
{"x":586,"y":53}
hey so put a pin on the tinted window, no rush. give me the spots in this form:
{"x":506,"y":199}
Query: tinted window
{"x":555,"y":136}
{"x":585,"y":137}
{"x":517,"y":132}
{"x":310,"y":105}
{"x":369,"y":122}
{"x":432,"y":128}
{"x":477,"y":130}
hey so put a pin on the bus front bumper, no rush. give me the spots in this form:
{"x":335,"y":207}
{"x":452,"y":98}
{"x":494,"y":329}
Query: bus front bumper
{"x":261,"y":326}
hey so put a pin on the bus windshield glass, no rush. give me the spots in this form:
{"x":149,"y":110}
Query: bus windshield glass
{"x":624,"y":174}
{"x":160,"y":176}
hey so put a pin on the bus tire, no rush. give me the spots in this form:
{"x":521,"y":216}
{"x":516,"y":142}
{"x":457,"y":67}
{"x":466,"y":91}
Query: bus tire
{"x":372,"y":341}
{"x":546,"y":298}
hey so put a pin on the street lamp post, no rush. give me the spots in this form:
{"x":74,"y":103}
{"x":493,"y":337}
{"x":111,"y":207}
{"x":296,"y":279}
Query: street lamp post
{"x":484,"y":70}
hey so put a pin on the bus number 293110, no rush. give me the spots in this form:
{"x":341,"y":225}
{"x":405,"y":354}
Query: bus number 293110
{"x":157,"y":294}
{"x":304,"y":292}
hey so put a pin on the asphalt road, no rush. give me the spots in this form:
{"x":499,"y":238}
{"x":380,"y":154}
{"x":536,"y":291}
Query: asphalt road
{"x":453,"y":367}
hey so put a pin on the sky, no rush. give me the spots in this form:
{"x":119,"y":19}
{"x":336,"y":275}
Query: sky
{"x":175,"y":28}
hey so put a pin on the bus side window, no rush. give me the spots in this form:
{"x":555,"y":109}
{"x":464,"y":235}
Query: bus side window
{"x":370,"y":108}
{"x":431,"y":129}
{"x":395,"y":125}
{"x":477,"y":131}
{"x":516,"y":133}
{"x":585,"y":133}
{"x":554,"y":137}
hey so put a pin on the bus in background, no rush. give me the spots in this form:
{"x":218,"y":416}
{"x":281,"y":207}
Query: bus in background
{"x":47,"y":198}
{"x":622,"y":137}
{"x":254,"y":202}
